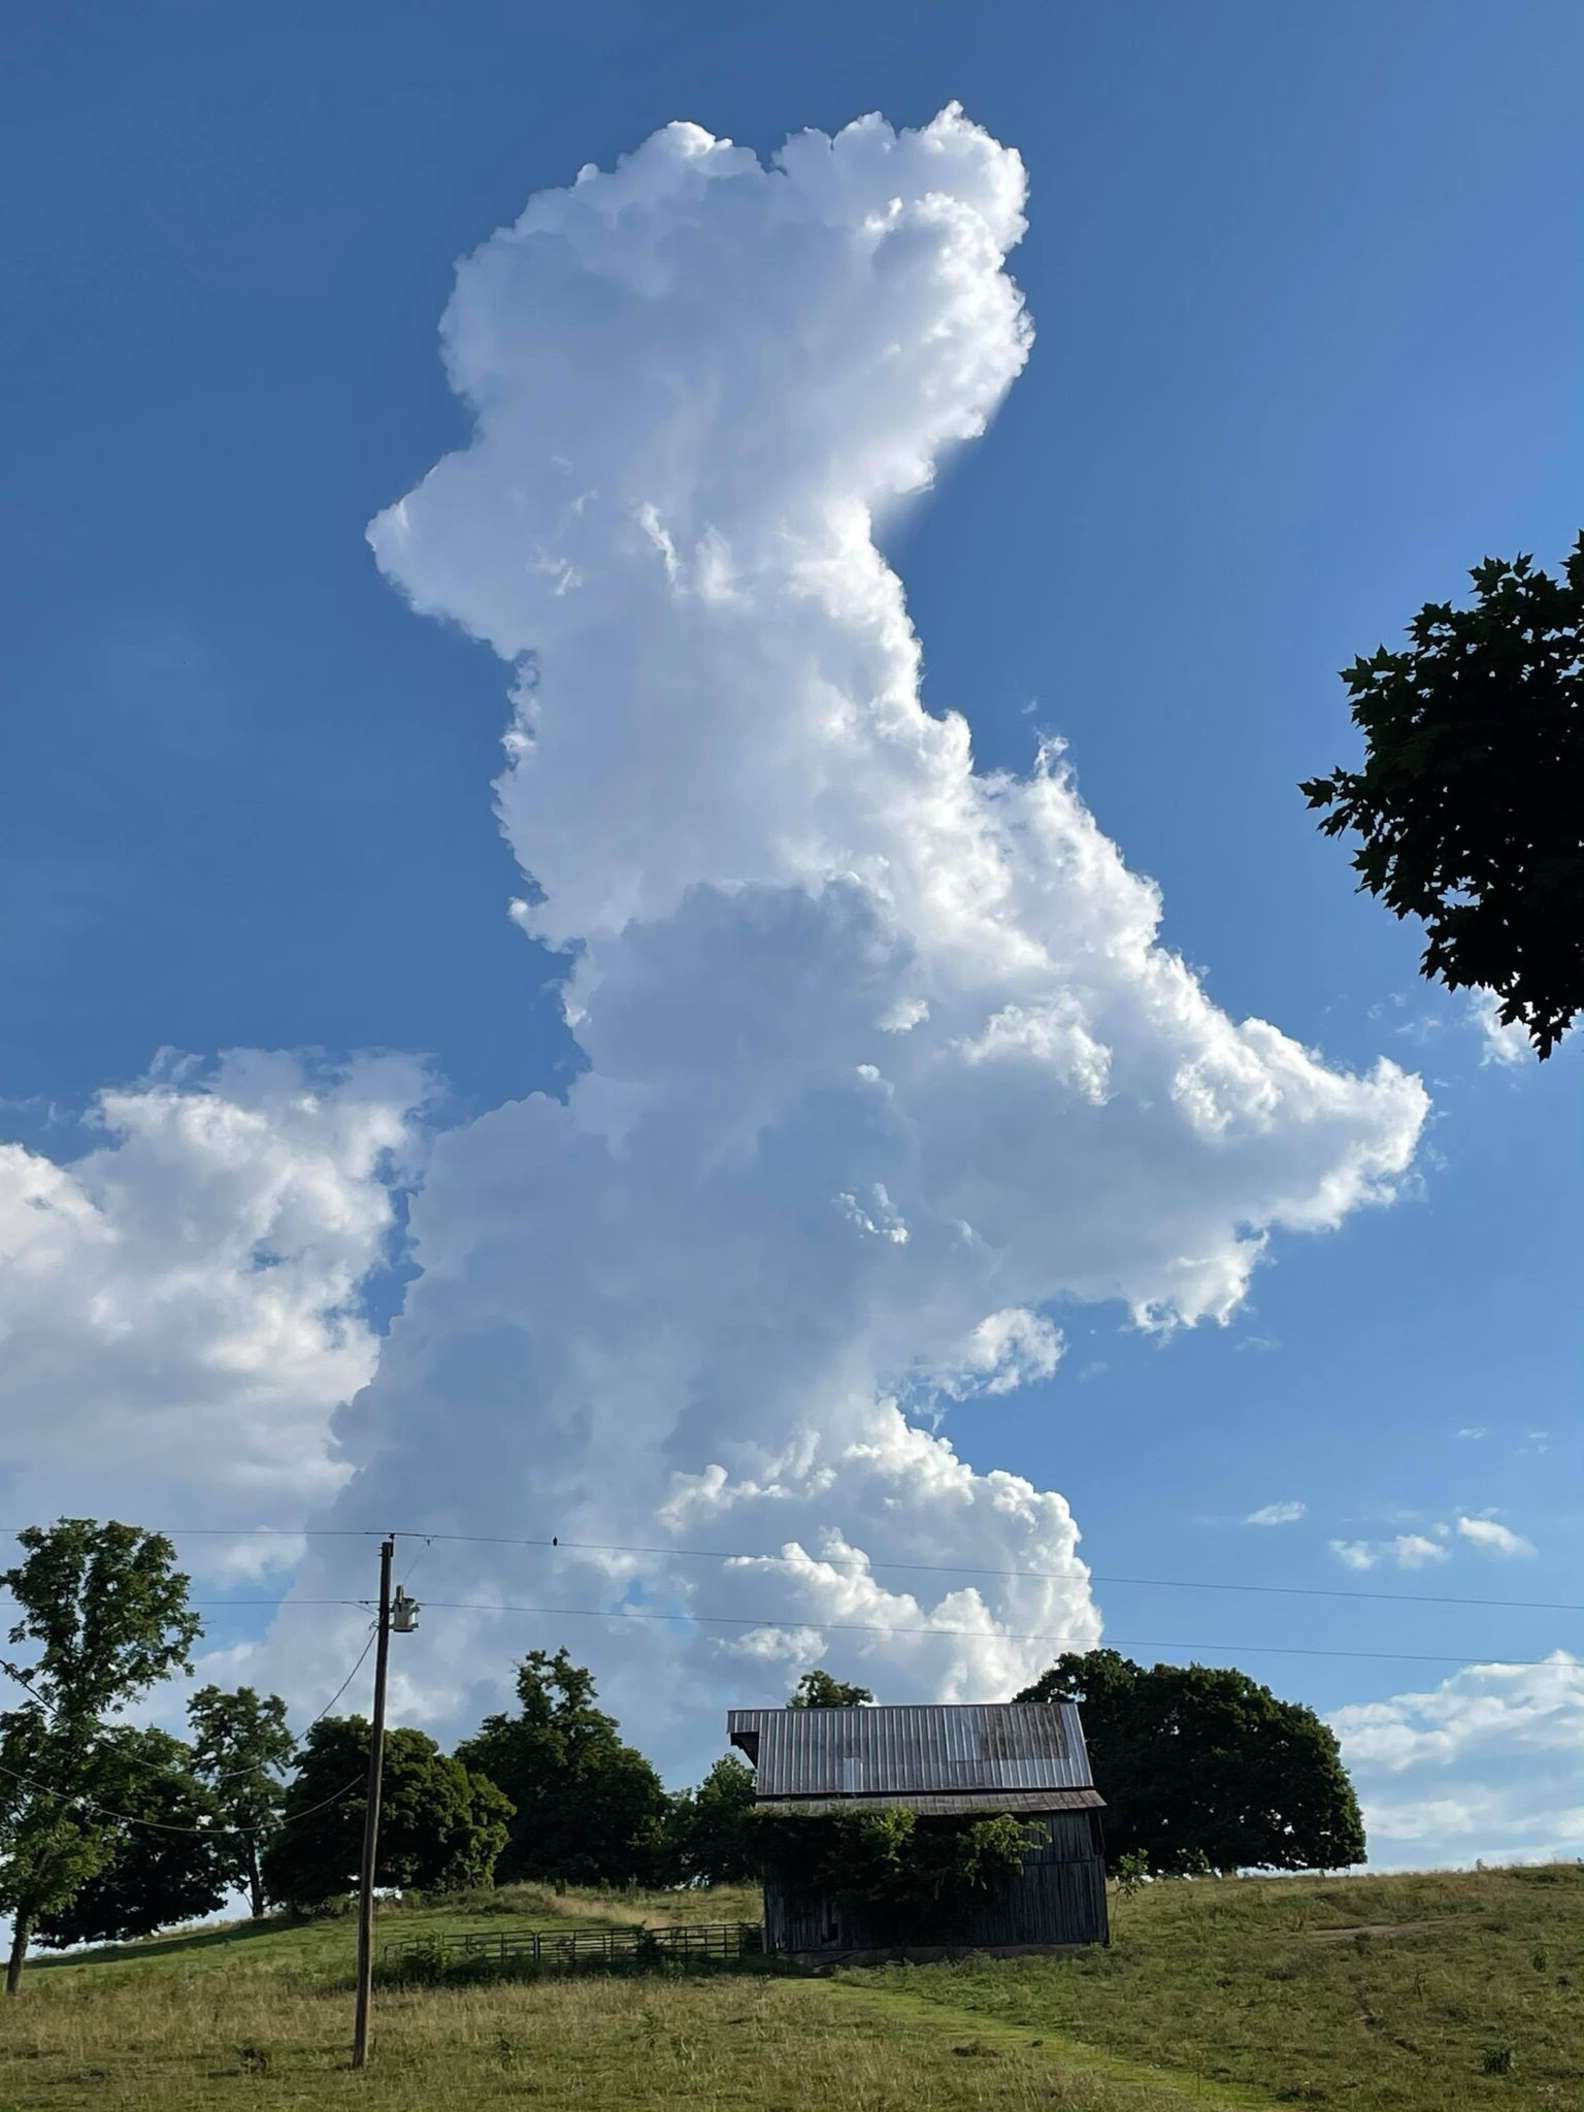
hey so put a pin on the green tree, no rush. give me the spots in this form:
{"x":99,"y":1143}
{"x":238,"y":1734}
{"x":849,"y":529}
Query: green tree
{"x":241,"y":1747}
{"x":1202,"y":1768}
{"x":165,"y":1866}
{"x":106,"y":1609}
{"x":590,"y":1808}
{"x":442,"y":1827}
{"x":891,"y":1865}
{"x":818,"y":1690}
{"x":1469,"y":800}
{"x":710,"y":1829}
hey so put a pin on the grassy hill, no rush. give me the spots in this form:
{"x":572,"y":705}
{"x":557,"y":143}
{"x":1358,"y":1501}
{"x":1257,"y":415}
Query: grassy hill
{"x":1382,"y":1994}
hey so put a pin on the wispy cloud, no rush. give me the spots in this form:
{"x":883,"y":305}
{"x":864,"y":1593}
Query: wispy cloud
{"x":1493,"y":1538}
{"x":1406,"y":1551}
{"x":1287,"y":1513}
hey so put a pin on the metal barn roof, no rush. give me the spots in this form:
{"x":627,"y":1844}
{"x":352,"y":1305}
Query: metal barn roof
{"x":886,"y":1751}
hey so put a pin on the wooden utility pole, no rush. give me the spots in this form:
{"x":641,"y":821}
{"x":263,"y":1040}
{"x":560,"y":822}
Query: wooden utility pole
{"x":371,"y":1814}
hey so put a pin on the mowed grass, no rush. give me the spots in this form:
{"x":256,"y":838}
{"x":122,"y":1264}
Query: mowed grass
{"x":1292,"y":1987}
{"x":1244,"y":1993}
{"x":262,"y":2018}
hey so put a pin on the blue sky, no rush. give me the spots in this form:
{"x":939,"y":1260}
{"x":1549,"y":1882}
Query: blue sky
{"x":1308,"y":346}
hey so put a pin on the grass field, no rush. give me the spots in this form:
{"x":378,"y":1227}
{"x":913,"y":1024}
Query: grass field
{"x":1242,"y":1993}
{"x":1402,"y":1994}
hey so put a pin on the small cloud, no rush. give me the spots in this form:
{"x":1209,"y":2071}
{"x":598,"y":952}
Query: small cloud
{"x":1474,"y":1431}
{"x":1406,"y":1551}
{"x":1276,"y":1514}
{"x":1354,"y":1554}
{"x":1265,"y":1342}
{"x":1094,"y":1369}
{"x":1494,"y":1539}
{"x":1414,"y":1551}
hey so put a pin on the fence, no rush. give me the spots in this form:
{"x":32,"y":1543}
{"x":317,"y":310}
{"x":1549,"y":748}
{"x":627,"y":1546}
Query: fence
{"x":686,"y":1943}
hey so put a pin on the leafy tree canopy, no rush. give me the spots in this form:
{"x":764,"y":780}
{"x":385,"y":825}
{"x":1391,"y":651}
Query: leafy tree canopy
{"x":709,"y":1831}
{"x":818,"y":1690}
{"x":240,"y":1750}
{"x":103,"y":1616}
{"x":589,"y":1808}
{"x":168,"y":1866}
{"x":1204,"y":1769}
{"x":889,"y":1864}
{"x":1470,"y":799}
{"x":442,"y":1827}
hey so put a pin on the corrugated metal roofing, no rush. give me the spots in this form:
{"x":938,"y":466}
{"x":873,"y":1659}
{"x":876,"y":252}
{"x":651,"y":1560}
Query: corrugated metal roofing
{"x":937,"y":1804}
{"x":879,"y":1751}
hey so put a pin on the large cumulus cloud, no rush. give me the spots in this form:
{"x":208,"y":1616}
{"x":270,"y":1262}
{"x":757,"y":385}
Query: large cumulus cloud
{"x":886,"y":1060}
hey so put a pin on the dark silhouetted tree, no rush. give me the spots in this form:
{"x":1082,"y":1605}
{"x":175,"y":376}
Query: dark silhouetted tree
{"x":106,"y":1611}
{"x":1470,"y":798}
{"x":442,"y":1827}
{"x":589,"y":1808}
{"x":1203,"y":1769}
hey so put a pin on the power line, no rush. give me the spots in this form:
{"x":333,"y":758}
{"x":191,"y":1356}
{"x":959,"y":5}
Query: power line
{"x":792,"y":1619}
{"x":1049,"y":1576}
{"x":232,"y":1774}
{"x":221,"y":1605}
{"x":982,"y":1635}
{"x":554,"y":1543}
{"x":208,"y":1833}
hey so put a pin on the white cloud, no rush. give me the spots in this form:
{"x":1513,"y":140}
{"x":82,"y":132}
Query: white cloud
{"x":1474,"y":1431}
{"x":886,"y":1059}
{"x":885,"y":1056}
{"x":178,"y":1307}
{"x":1405,"y":1551}
{"x":253,"y":1556}
{"x":1492,"y":1538}
{"x":1355,"y":1554}
{"x":1485,"y":1764}
{"x":1505,"y":1045}
{"x":1287,"y":1513}
{"x":1006,"y":1350}
{"x":1414,"y":1551}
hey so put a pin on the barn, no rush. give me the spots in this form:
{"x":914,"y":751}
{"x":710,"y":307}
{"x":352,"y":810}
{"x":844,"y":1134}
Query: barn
{"x":1024,"y":1760}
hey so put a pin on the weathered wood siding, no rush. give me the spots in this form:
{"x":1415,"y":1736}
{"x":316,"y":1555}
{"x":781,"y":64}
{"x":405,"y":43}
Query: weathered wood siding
{"x":1057,"y":1897}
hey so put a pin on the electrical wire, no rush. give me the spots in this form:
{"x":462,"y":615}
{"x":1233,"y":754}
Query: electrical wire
{"x":233,"y":1774}
{"x":555,"y":1543}
{"x":983,"y":1635}
{"x":208,"y":1833}
{"x":418,"y":1555}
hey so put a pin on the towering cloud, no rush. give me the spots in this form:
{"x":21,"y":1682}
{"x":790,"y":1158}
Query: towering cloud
{"x":886,"y":1062}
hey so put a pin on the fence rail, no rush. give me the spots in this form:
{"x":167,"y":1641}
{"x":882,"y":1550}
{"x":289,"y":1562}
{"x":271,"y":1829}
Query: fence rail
{"x":634,"y":1945}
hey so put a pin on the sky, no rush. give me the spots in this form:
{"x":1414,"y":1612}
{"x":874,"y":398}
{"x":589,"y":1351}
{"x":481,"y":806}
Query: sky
{"x":655,"y":889}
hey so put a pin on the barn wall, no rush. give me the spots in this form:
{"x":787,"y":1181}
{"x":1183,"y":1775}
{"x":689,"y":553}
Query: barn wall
{"x":1057,"y":1897}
